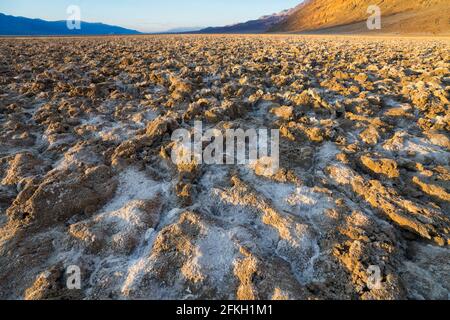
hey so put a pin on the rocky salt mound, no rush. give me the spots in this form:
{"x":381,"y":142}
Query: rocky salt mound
{"x":86,"y":177}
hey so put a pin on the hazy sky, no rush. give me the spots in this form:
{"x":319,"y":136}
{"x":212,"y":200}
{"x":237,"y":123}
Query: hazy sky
{"x":150,"y":15}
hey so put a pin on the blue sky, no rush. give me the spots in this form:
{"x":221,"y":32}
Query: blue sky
{"x":150,"y":15}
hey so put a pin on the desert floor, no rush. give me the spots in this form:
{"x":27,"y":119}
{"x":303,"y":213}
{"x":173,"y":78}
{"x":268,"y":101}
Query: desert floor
{"x":86,"y":177}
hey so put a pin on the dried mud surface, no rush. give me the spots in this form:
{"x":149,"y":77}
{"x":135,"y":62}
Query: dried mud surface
{"x":86,"y":177}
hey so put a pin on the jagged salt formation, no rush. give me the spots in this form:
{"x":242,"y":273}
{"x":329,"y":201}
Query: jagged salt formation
{"x":86,"y":175}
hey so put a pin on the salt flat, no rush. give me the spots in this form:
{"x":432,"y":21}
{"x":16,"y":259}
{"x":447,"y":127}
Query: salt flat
{"x":87,"y":179}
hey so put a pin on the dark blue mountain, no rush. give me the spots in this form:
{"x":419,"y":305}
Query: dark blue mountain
{"x":20,"y":26}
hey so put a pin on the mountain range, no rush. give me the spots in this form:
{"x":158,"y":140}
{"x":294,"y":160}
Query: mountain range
{"x":20,"y":26}
{"x":261,"y":25}
{"x":350,"y":16}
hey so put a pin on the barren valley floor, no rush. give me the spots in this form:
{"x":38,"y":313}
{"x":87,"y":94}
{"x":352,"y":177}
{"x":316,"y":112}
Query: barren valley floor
{"x":86,"y":177}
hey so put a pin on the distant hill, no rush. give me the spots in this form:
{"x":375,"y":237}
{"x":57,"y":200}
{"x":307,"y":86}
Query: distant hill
{"x":350,"y":16}
{"x":182,"y":30}
{"x":20,"y":26}
{"x":260,"y":25}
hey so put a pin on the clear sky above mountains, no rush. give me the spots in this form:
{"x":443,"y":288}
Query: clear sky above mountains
{"x":150,"y":15}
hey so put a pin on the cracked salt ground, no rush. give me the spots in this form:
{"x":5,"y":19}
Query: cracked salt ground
{"x":299,"y":244}
{"x":126,"y":220}
{"x":87,"y":180}
{"x":310,"y":206}
{"x":421,"y":149}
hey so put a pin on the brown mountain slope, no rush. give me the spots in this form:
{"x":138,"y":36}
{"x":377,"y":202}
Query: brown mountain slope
{"x":350,"y":16}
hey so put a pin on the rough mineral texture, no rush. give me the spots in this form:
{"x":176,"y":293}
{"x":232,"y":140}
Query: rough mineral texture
{"x":87,"y":180}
